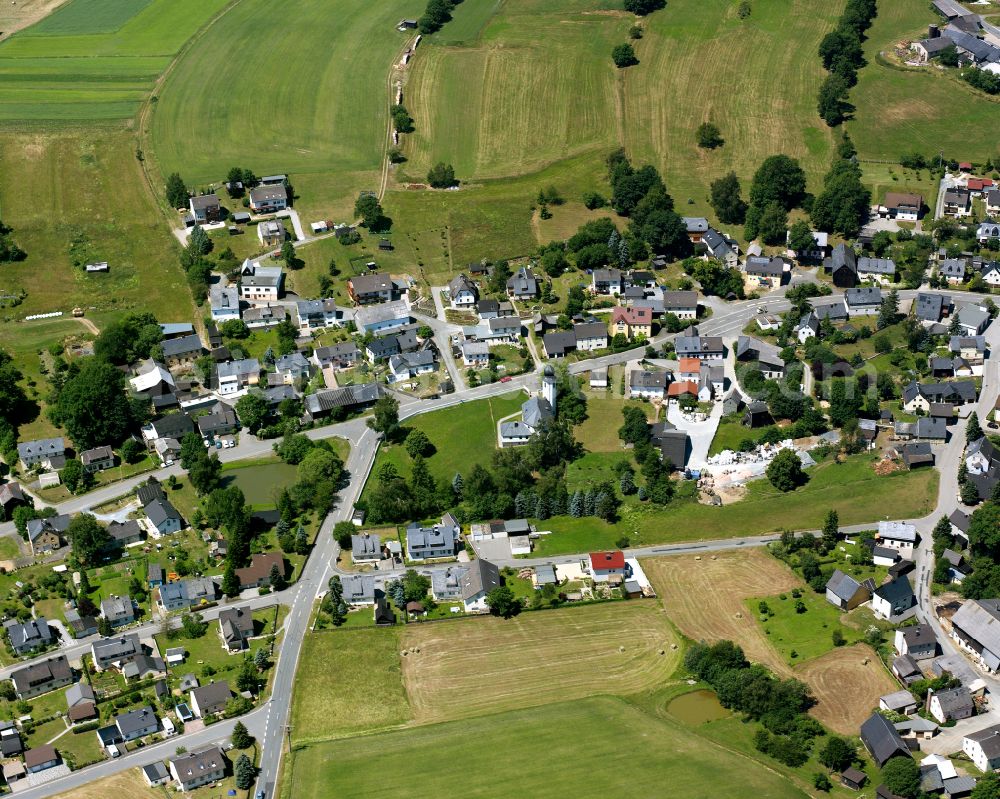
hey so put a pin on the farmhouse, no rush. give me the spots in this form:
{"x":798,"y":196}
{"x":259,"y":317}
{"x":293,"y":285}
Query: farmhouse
{"x":951,"y":705}
{"x":268,"y":199}
{"x":976,"y":628}
{"x":983,"y":747}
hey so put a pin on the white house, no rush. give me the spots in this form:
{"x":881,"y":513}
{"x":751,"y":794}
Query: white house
{"x":899,"y":536}
{"x":475,"y":353}
{"x":682,"y":304}
{"x":894,"y":601}
{"x":260,"y":283}
{"x":604,"y":565}
{"x":983,"y":747}
{"x":462,"y":292}
{"x":479,"y":579}
{"x":225,"y":302}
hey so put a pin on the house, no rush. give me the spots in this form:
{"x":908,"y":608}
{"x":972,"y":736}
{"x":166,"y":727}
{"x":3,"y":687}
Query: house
{"x":863,"y":300}
{"x":992,"y":198}
{"x":632,"y":322}
{"x":235,"y":376}
{"x":844,"y":592}
{"x":721,"y":247}
{"x":462,"y":292}
{"x":952,"y":270}
{"x":951,"y":705}
{"x":292,"y":366}
{"x":522,"y":285}
{"x":606,"y":281}
{"x":853,"y":778}
{"x":182,"y":350}
{"x":258,"y":573}
{"x":972,"y":319}
{"x":958,"y":569}
{"x":696,"y":227}
{"x":210,"y":699}
{"x":28,"y":636}
{"x":918,"y":641}
{"x":11,"y":744}
{"x":186,"y":593}
{"x":479,"y":578}
{"x":682,"y":304}
{"x":706,"y":348}
{"x":674,"y":444}
{"x":366,"y":548}
{"x":899,"y":536}
{"x":903,"y":206}
{"x":235,"y":628}
{"x":205,"y":208}
{"x":143,"y":667}
{"x":605,"y":565}
{"x":882,"y":740}
{"x":895,"y":600}
{"x":359,"y":589}
{"x":559,"y":343}
{"x":931,"y":429}
{"x":268,"y":199}
{"x":261,"y":283}
{"x":757,"y":414}
{"x":46,"y":535}
{"x":194,"y":769}
{"x":41,"y":677}
{"x":137,"y":723}
{"x":957,"y":202}
{"x":371,"y":288}
{"x":115,"y":651}
{"x":321,"y":403}
{"x":118,"y":610}
{"x":11,"y":497}
{"x":383,"y":317}
{"x":264,"y":316}
{"x":221,"y":421}
{"x":990,"y":272}
{"x":78,"y":694}
{"x":960,"y":526}
{"x":899,"y":702}
{"x":983,"y":747}
{"x":976,"y":628}
{"x":590,"y":336}
{"x":843,"y":266}
{"x":769,"y":270}
{"x":48,"y":452}
{"x":475,"y":353}
{"x":155,"y":774}
{"x":224,"y":302}
{"x":383,"y":614}
{"x":317,"y":315}
{"x":163,"y":517}
{"x":338,"y":356}
{"x":989,"y":230}
{"x":424,"y":543}
{"x":808,"y":327}
{"x":124,"y":534}
{"x":906,"y":669}
{"x":816,"y":251}
{"x":929,"y":307}
{"x":647,"y":385}
{"x":981,"y":456}
{"x":41,"y":758}
{"x":411,"y":364}
{"x":750,"y":349}
{"x":879,"y":270}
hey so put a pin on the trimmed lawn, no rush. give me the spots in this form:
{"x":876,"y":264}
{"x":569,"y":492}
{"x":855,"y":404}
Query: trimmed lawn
{"x":577,"y":736}
{"x":82,"y":747}
{"x":851,"y":488}
{"x":599,"y":431}
{"x":807,"y":634}
{"x":261,"y":483}
{"x":730,"y":434}
{"x":593,"y":468}
{"x":348,"y":682}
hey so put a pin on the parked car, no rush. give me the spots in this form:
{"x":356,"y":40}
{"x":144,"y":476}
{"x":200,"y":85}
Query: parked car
{"x":506,"y":379}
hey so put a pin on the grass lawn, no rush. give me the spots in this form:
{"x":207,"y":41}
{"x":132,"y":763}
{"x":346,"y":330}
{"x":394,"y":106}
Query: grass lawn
{"x":463,"y":436}
{"x":348,"y":682}
{"x":44,"y":733}
{"x":916,"y":110}
{"x":621,"y":738}
{"x":593,"y":468}
{"x":807,"y":634}
{"x":599,"y":431}
{"x":730,"y":434}
{"x":851,"y":488}
{"x":261,"y":483}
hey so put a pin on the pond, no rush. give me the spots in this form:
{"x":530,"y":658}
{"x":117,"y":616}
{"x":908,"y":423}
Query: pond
{"x":260,"y":484}
{"x":697,"y":707}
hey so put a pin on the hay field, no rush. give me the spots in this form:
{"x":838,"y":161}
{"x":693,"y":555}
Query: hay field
{"x":283,"y":89}
{"x":94,"y":60}
{"x":126,"y":783}
{"x":586,"y":748}
{"x":705,"y":598}
{"x":536,"y":86}
{"x":846,"y":689}
{"x":484,"y":665}
{"x":925,"y":110}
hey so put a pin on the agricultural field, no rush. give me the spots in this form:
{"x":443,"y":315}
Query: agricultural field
{"x":484,"y":665}
{"x":923,"y":110}
{"x":621,"y":738}
{"x":94,"y":60}
{"x":125,"y":783}
{"x":847,"y":683}
{"x":319,"y":109}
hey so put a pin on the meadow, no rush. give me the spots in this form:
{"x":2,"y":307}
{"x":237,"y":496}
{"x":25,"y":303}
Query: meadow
{"x":589,"y":747}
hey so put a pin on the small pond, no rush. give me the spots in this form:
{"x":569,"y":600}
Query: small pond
{"x":260,"y":484}
{"x":697,"y":707}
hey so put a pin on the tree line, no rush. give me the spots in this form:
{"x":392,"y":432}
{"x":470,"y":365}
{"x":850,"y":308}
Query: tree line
{"x":842,"y":55}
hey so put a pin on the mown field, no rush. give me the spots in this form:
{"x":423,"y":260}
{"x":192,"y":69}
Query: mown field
{"x":94,"y":60}
{"x":585,"y":748}
{"x":922,"y":110}
{"x":282,"y":89}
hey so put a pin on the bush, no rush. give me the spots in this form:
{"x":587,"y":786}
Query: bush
{"x":442,"y":176}
{"x":624,"y":56}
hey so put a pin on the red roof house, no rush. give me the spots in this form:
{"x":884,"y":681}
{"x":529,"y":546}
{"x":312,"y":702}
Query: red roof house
{"x":978,"y":184}
{"x":682,"y":387}
{"x":965,"y":166}
{"x":605,"y":564}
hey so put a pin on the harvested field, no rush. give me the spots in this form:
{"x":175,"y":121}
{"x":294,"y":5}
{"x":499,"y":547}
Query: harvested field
{"x":845,"y":688}
{"x":126,"y":783}
{"x":476,"y":666}
{"x":705,"y":598}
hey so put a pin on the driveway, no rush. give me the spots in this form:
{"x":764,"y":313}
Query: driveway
{"x":700,"y":433}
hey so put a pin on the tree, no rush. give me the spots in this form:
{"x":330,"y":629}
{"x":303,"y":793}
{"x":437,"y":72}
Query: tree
{"x":643,"y":7}
{"x":726,"y":200}
{"x":277,"y":578}
{"x":624,"y":56}
{"x":369,"y":210}
{"x":230,"y":582}
{"x":502,"y":602}
{"x":240,"y":738}
{"x":88,"y":539}
{"x":288,"y":255}
{"x":843,"y":204}
{"x":176,"y":191}
{"x":294,"y":447}
{"x":93,"y":406}
{"x":252,"y":410}
{"x":319,"y":474}
{"x":984,"y":530}
{"x":831,"y":528}
{"x":244,"y":772}
{"x":902,"y":776}
{"x":104,"y":627}
{"x":709,"y":136}
{"x":442,"y":176}
{"x":385,"y":419}
{"x":194,"y":625}
{"x":889,"y":310}
{"x":779,"y":179}
{"x":837,"y":754}
{"x":800,"y":237}
{"x":973,"y":430}
{"x":417,"y":443}
{"x":949,"y":58}
{"x":785,"y":471}
{"x":773,"y":224}
{"x":968,"y":492}
{"x":74,"y":477}
{"x":832,"y":103}
{"x":821,"y":781}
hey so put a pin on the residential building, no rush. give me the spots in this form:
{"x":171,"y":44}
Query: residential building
{"x":186,"y":593}
{"x":182,"y":350}
{"x":989,"y":230}
{"x":951,"y":705}
{"x":750,"y":349}
{"x":46,"y":535}
{"x":976,"y":628}
{"x":682,"y":304}
{"x":843,"y":266}
{"x":632,"y":322}
{"x":425,"y":543}
{"x":221,"y":421}
{"x":880,"y":270}
{"x":475,"y":354}
{"x":606,"y":281}
{"x":194,"y":769}
{"x":882,"y":740}
{"x":318,"y":405}
{"x":292,"y":367}
{"x":696,"y":226}
{"x":902,"y":702}
{"x":918,"y":641}
{"x":983,"y":747}
{"x":371,"y":288}
{"x":957,"y":202}
{"x":155,"y":774}
{"x":30,"y":635}
{"x":47,"y":452}
{"x":41,"y":758}
{"x":205,"y":209}
{"x":590,"y":336}
{"x":902,"y":206}
{"x":522,"y":285}
{"x":224,"y":302}
{"x":137,"y":723}
{"x":115,"y":652}
{"x":211,"y":699}
{"x":558,"y":343}
{"x":863,"y":300}
{"x":11,"y":497}
{"x":722,"y":248}
{"x":973,"y":319}
{"x":382,"y":317}
{"x":706,"y":348}
{"x":447,"y":585}
{"x":846,"y":593}
{"x":359,"y":589}
{"x":462,"y":292}
{"x":258,"y":573}
{"x":338,"y":356}
{"x":605,"y":565}
{"x":163,"y":518}
{"x":769,"y":271}
{"x":41,"y":677}
{"x":118,"y":610}
{"x":894,"y":601}
{"x":317,"y":315}
{"x":929,"y":307}
{"x":408,"y":365}
{"x":899,"y":536}
{"x":235,"y":628}
{"x":261,"y":283}
{"x":479,"y":579}
{"x":268,"y":199}
{"x":952,"y":270}
{"x":366,"y":548}
{"x":647,"y":385}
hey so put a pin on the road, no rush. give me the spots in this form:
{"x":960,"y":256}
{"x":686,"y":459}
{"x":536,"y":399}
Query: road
{"x":269,"y":723}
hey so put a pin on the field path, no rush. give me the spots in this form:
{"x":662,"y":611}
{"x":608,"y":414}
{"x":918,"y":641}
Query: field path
{"x":390,"y":97}
{"x":88,"y":324}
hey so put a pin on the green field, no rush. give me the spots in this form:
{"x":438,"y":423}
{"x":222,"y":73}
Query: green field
{"x":282,"y":89}
{"x":851,"y":488}
{"x":588,"y":748}
{"x":95,"y":59}
{"x":902,"y":110}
